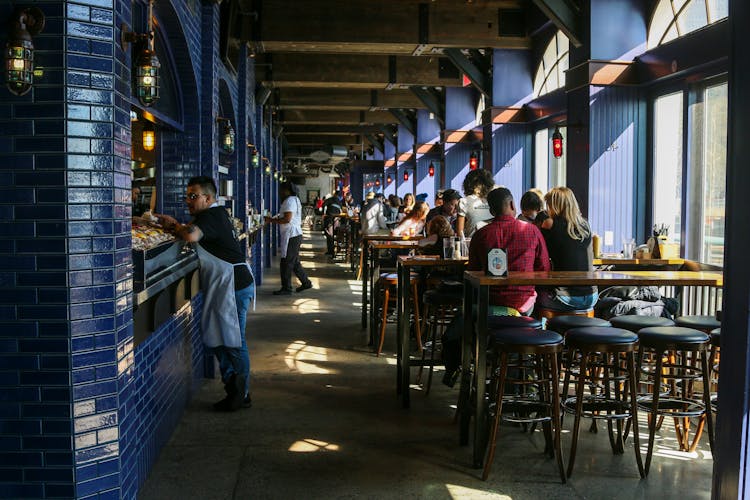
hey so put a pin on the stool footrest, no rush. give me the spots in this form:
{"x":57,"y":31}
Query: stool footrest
{"x":592,"y":405}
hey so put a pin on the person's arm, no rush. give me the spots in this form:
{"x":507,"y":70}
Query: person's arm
{"x":382,"y":224}
{"x":460,"y":221}
{"x":476,"y":254}
{"x":187,"y":232}
{"x":282,"y":218}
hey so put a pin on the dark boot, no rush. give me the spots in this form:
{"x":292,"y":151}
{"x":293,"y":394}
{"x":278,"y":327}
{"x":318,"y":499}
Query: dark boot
{"x":234,"y":397}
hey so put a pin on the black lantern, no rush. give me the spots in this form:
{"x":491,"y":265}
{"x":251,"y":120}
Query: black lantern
{"x":267,"y":168}
{"x":388,"y":179}
{"x":226,"y":135}
{"x":149,"y":136}
{"x":431,"y":170}
{"x":147,"y":66}
{"x":19,"y":50}
{"x":557,"y":143}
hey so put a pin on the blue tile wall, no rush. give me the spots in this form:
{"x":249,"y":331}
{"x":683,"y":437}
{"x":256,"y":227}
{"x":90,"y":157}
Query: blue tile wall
{"x":84,"y":413}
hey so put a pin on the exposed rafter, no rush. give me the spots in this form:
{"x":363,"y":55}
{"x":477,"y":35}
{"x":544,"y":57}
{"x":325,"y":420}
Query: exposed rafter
{"x":479,"y":77}
{"x":407,"y":119}
{"x":389,"y":134}
{"x":376,"y":143}
{"x":565,"y":17}
{"x":432,"y":101}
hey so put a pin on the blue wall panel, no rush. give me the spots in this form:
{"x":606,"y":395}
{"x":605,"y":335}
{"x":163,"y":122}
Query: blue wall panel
{"x":390,"y":187}
{"x":615,"y":117}
{"x":425,"y":183}
{"x":428,"y":130}
{"x":456,"y":165}
{"x":509,"y":155}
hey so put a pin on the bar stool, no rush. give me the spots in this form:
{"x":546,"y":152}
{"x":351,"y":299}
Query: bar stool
{"x":679,"y":402}
{"x":497,"y":322}
{"x":698,"y":322}
{"x":713,"y":364}
{"x":561,"y":324}
{"x":636,"y":323}
{"x":536,"y":351}
{"x":607,"y":398}
{"x":439,"y":309}
{"x":386,"y":282}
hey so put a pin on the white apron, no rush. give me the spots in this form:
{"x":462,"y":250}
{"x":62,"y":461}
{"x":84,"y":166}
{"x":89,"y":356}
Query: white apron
{"x":285,"y":231}
{"x":219,"y":320}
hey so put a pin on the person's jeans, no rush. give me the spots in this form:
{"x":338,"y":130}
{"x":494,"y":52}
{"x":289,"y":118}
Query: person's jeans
{"x":549,"y":300}
{"x":237,"y":360}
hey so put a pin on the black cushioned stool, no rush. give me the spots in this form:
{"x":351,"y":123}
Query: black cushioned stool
{"x":562,"y":324}
{"x":680,"y":375}
{"x":635,"y":323}
{"x":611,"y":380}
{"x":497,"y":322}
{"x":536,"y":352}
{"x":439,"y":309}
{"x":698,"y":322}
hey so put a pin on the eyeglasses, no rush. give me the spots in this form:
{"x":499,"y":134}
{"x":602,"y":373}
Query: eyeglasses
{"x":194,"y":196}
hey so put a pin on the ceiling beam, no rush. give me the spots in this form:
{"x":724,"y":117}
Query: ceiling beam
{"x":479,"y":78}
{"x":330,"y":129}
{"x":323,"y":140}
{"x":432,"y":100}
{"x":376,"y":143}
{"x":389,"y":134}
{"x":567,"y":19}
{"x":403,"y":27}
{"x":332,"y":117}
{"x":354,"y":71}
{"x":346,"y":99}
{"x":406,"y":119}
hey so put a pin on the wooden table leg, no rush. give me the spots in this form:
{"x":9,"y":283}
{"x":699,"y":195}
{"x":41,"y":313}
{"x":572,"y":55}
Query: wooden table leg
{"x":365,"y":274}
{"x":480,"y":375}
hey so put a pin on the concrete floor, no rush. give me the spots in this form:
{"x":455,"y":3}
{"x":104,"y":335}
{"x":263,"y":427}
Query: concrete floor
{"x":326,"y":423}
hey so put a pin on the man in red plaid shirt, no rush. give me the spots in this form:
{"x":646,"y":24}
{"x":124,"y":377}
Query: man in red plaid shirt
{"x":524,"y":244}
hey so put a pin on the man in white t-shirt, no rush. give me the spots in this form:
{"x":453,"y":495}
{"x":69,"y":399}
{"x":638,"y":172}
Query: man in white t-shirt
{"x":290,"y":232}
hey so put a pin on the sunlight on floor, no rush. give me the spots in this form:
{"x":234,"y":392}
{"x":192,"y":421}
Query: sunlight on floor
{"x":307,"y":306}
{"x":456,"y":491}
{"x":312,"y":445}
{"x":302,"y":358}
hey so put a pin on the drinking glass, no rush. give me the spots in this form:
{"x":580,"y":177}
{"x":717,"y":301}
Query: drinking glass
{"x":628,"y":247}
{"x":448,"y":248}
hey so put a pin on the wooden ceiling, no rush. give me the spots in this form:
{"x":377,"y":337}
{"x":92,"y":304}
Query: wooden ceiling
{"x":339,"y":72}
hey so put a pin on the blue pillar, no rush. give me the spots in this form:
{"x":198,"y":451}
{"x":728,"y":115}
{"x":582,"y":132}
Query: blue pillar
{"x":428,"y":136}
{"x":460,"y":115}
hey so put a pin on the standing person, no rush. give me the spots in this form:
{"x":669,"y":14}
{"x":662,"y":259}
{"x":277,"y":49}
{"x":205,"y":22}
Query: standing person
{"x":448,"y":208}
{"x":473,"y":210}
{"x":227,"y":285}
{"x":373,"y":218}
{"x":531,"y":204}
{"x":289,"y":220}
{"x":568,"y":237}
{"x":331,"y":209}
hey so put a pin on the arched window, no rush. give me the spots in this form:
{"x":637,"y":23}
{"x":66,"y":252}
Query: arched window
{"x":550,"y":75}
{"x":675,"y":18}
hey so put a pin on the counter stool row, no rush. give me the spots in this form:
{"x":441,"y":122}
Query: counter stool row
{"x":602,"y":356}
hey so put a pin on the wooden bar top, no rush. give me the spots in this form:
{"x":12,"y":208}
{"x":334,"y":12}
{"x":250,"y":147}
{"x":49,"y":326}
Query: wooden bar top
{"x":637,"y":262}
{"x":599,"y":278}
{"x":382,"y":245}
{"x":430,"y":260}
{"x":388,"y":237}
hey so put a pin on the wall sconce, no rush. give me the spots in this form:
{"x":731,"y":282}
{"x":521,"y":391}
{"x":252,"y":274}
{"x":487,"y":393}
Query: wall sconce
{"x":267,"y":168}
{"x":377,"y":182}
{"x":431,"y":170}
{"x":149,"y":136}
{"x":473,"y":161}
{"x":19,"y":50}
{"x":226,"y":135}
{"x":406,"y":175}
{"x":557,"y":143}
{"x":388,"y":179}
{"x":255,"y":160}
{"x":275,"y":174}
{"x":147,"y":65}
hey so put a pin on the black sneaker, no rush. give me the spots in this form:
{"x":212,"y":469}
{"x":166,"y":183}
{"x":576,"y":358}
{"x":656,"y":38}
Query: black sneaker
{"x":247,"y":402}
{"x":283,"y":291}
{"x":304,"y":286}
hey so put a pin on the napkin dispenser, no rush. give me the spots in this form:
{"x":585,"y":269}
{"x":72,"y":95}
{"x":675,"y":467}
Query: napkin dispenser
{"x":497,"y":262}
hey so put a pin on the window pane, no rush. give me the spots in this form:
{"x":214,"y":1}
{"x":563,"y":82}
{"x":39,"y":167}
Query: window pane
{"x":717,"y":9}
{"x":714,"y":174}
{"x":692,"y":17}
{"x":541,"y":154}
{"x":667,"y":185}
{"x":659,"y":23}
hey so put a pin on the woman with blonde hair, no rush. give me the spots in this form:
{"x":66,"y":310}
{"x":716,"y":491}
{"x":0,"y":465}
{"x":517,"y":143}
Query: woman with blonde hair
{"x":568,"y":237}
{"x":408,"y":204}
{"x":412,"y":224}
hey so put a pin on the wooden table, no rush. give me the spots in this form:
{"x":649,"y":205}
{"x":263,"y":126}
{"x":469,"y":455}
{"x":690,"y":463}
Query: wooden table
{"x":403,"y":360}
{"x":639,"y":263}
{"x":477,"y":281}
{"x":366,"y":267}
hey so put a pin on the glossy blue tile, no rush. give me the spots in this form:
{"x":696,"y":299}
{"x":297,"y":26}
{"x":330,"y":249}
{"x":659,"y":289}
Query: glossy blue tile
{"x":105,"y":308}
{"x":17,"y":162}
{"x":48,"y":411}
{"x":11,"y":475}
{"x":102,"y":49}
{"x":51,"y":263}
{"x":93,"y":358}
{"x":87,"y":95}
{"x":31,"y":145}
{"x":51,"y":362}
{"x":59,"y":458}
{"x":100,"y":483}
{"x":53,"y":296}
{"x":16,"y":330}
{"x":102,"y":16}
{"x":80,"y":278}
{"x":17,"y":127}
{"x":102,"y":113}
{"x":48,"y":127}
{"x":79,"y":12}
{"x":43,"y":312}
{"x":90,"y":31}
{"x":88,"y":326}
{"x":89,"y":162}
{"x":12,"y":490}
{"x":46,"y":229}
{"x":56,"y":395}
{"x":51,"y":195}
{"x":19,"y":362}
{"x":39,"y":178}
{"x":37,"y":212}
{"x":43,"y":345}
{"x":16,"y":229}
{"x":84,"y":375}
{"x":46,"y":442}
{"x":42,"y":279}
{"x":8,"y":346}
{"x":16,"y":296}
{"x":59,"y":490}
{"x":40,"y":246}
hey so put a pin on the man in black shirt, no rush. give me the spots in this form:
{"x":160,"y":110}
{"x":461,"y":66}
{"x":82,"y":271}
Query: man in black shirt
{"x":331,"y":208}
{"x":226,"y":283}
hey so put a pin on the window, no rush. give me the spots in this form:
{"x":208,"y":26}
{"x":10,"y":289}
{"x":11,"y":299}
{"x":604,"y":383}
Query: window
{"x":675,"y":18}
{"x":549,"y":171}
{"x":550,"y":75}
{"x":698,"y":178}
{"x":667,"y":199}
